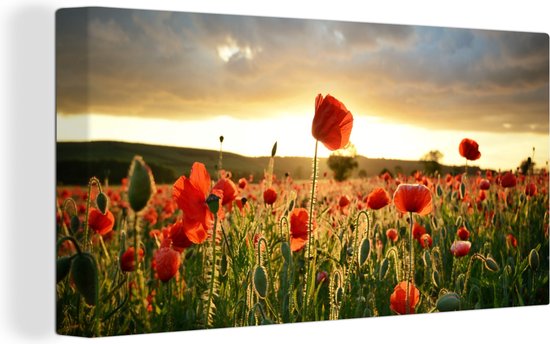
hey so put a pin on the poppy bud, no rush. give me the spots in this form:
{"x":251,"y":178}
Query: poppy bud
{"x":339,"y":295}
{"x":221,"y":139}
{"x":141,"y":185}
{"x":274,"y":149}
{"x":63,"y":266}
{"x":102,"y":202}
{"x":448,"y":302}
{"x":534,"y":259}
{"x":75,"y":224}
{"x":84,"y":276}
{"x":260,"y":281}
{"x":383,"y":269}
{"x":364,"y":251}
{"x":213,"y":202}
{"x":491,"y":264}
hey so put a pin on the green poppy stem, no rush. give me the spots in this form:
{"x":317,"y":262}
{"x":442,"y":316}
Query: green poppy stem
{"x":410,"y":277}
{"x":309,"y":230}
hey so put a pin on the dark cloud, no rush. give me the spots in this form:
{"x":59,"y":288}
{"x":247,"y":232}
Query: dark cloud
{"x":184,"y":65}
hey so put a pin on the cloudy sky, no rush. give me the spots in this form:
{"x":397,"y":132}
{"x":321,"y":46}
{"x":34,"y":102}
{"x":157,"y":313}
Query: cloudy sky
{"x":185,"y":79}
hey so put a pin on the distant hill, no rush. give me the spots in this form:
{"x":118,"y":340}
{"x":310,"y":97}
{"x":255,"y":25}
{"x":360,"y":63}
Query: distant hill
{"x":78,"y":161}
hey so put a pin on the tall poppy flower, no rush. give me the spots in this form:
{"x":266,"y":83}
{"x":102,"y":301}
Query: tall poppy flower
{"x":378,"y":199}
{"x":398,"y":299}
{"x":469,"y":149}
{"x":99,"y":223}
{"x":460,"y":248}
{"x":298,"y":229}
{"x":190,"y":195}
{"x":508,"y":180}
{"x":332,"y":123}
{"x":413,"y":198}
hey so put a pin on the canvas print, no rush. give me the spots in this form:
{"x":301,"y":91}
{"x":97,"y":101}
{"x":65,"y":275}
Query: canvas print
{"x":225,"y":171}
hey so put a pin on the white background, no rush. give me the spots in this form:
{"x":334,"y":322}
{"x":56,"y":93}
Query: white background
{"x":27,"y":173}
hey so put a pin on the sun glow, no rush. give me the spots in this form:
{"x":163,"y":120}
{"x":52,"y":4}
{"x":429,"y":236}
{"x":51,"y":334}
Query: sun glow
{"x":372,"y":136}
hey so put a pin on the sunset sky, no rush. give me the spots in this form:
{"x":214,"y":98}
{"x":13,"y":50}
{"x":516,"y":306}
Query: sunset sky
{"x":184,"y":79}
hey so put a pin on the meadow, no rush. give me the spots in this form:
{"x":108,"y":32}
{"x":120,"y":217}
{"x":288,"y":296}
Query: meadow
{"x":208,"y":251}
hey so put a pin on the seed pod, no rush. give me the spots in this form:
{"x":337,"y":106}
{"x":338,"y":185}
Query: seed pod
{"x":285,"y":251}
{"x":267,"y":321}
{"x":339,"y":296}
{"x":383,"y":269}
{"x":439,"y":190}
{"x":260,"y":281}
{"x":462,"y":190}
{"x":534,"y":259}
{"x":448,"y":302}
{"x":491,"y":264}
{"x":84,"y":275}
{"x":213,"y":202}
{"x":75,"y":224}
{"x":62,"y":267}
{"x":223,"y":265}
{"x":141,"y":184}
{"x":102,"y":201}
{"x":364,"y":251}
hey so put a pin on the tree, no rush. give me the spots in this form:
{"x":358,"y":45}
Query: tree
{"x":342,"y":162}
{"x":527,"y":166}
{"x":431,"y":161}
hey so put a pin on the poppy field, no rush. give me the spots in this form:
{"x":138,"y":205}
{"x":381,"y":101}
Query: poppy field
{"x":213,"y":251}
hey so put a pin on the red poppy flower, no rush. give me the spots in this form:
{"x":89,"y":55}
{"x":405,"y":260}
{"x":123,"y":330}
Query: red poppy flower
{"x":531,"y":189}
{"x":332,"y":123}
{"x":127,"y":259}
{"x":229,"y":190}
{"x":298,"y":229}
{"x":418,"y":231}
{"x":463,"y":233}
{"x":469,"y":149}
{"x":425,"y":240}
{"x":242,"y":183}
{"x":508,"y":180}
{"x":484,"y":184}
{"x":460,"y":248}
{"x":99,"y":223}
{"x":378,"y":199}
{"x":167,"y":261}
{"x":511,"y":240}
{"x":270,"y":196}
{"x":398,"y":299}
{"x":344,"y":201}
{"x":190,"y":195}
{"x":180,"y":241}
{"x":392,"y":234}
{"x":414,"y":198}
